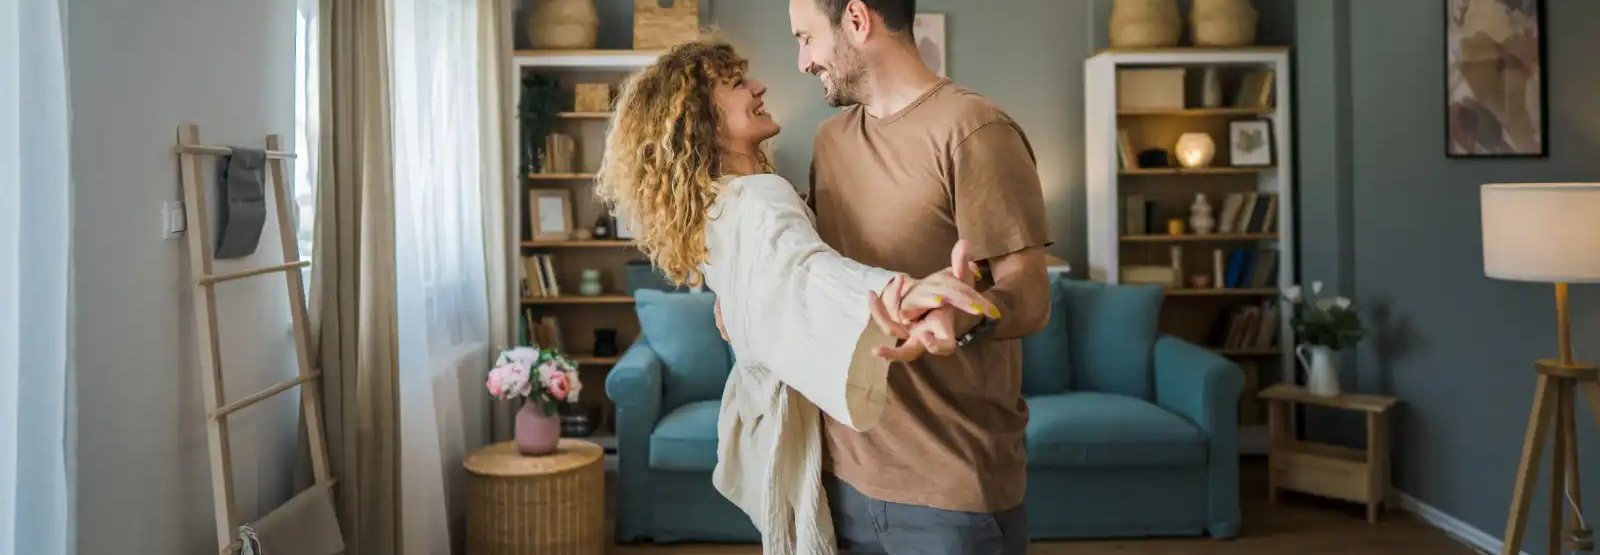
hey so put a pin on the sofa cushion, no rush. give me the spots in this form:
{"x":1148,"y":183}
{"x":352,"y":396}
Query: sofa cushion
{"x":1113,"y":333}
{"x":682,"y":329}
{"x":686,"y":438}
{"x":1085,"y":429}
{"x":1046,"y":354}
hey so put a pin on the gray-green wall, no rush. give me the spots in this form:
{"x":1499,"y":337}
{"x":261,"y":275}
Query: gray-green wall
{"x":1387,"y":216}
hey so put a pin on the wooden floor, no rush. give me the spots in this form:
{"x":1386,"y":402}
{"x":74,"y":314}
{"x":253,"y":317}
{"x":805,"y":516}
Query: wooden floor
{"x":1297,"y":525}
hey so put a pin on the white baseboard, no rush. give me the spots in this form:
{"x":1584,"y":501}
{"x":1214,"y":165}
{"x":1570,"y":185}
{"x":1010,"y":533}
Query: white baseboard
{"x":1457,"y":528}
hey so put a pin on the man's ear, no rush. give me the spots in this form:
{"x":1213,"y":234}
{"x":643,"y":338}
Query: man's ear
{"x":856,"y":22}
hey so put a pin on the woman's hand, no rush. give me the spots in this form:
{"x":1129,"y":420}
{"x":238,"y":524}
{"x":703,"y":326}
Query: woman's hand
{"x":921,"y":312}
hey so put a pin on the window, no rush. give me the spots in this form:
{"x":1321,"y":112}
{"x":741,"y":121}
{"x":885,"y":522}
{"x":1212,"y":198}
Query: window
{"x":306,"y":122}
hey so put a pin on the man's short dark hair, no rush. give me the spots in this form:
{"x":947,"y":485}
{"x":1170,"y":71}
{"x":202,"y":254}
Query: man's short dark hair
{"x":896,"y":14}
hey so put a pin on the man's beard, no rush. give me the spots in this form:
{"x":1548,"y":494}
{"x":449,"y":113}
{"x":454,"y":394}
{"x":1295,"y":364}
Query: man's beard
{"x":848,"y":71}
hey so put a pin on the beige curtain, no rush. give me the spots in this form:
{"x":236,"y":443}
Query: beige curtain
{"x":353,"y":281}
{"x":498,"y":80}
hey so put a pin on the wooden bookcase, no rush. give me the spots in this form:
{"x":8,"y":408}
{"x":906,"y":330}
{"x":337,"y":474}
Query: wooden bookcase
{"x":1200,"y":315}
{"x":579,"y":316}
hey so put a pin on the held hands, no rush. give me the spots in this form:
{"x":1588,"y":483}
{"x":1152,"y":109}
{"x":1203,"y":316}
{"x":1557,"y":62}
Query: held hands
{"x":922,"y":312}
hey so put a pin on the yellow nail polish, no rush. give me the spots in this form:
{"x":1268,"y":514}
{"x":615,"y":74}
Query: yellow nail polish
{"x":976,"y":309}
{"x":994,"y":313}
{"x":938,"y":299}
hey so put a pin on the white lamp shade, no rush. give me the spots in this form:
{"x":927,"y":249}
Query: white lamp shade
{"x":1544,"y":232}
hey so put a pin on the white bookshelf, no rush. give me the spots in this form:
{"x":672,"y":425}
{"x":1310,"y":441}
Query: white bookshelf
{"x":1187,"y":311}
{"x":580,"y":316}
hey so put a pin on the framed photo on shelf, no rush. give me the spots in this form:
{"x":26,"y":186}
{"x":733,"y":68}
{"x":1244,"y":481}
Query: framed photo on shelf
{"x":1250,"y":142}
{"x":550,"y":214}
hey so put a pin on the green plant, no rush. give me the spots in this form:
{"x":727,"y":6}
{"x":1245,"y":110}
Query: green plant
{"x":1333,"y":322}
{"x":541,"y":98}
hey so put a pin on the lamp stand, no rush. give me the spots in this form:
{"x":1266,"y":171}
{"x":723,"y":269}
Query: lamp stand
{"x":1560,"y":382}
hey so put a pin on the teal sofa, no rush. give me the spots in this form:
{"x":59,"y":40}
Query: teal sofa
{"x":1130,"y":433}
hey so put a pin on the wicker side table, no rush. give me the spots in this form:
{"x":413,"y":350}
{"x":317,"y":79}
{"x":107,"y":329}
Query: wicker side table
{"x":546,"y":505}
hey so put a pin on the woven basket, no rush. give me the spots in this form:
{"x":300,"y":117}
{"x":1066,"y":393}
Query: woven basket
{"x":546,"y":505}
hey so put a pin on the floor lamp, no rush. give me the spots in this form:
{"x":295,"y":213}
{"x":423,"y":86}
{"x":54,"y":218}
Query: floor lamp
{"x":1548,"y":233}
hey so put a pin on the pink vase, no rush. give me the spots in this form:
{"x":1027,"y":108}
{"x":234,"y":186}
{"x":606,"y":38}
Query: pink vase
{"x":536,"y":433}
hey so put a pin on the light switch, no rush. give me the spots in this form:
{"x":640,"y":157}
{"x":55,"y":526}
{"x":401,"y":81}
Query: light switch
{"x":172,"y":222}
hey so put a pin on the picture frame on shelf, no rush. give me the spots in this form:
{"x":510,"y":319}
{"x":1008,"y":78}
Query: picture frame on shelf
{"x":621,"y":228}
{"x":550,"y":214}
{"x":1250,"y":143}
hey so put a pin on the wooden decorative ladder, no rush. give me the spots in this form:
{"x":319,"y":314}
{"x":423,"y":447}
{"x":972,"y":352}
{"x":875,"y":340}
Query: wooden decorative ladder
{"x":189,"y":150}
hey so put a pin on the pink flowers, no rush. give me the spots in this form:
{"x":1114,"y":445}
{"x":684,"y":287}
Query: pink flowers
{"x":519,"y":370}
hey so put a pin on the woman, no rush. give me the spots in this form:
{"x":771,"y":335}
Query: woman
{"x":683,"y":161}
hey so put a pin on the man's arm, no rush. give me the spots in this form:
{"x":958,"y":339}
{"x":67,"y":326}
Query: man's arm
{"x":1019,"y":283}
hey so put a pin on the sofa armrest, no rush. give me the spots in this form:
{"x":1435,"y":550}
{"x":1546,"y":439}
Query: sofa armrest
{"x":1204,"y":388}
{"x":634,"y":383}
{"x":1197,"y":384}
{"x":634,"y":386}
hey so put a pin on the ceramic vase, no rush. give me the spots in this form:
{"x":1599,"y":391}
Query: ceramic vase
{"x":590,"y":286}
{"x":536,"y":433}
{"x":563,"y":24}
{"x":1322,"y":372}
{"x":1145,"y":23}
{"x":1200,"y":218}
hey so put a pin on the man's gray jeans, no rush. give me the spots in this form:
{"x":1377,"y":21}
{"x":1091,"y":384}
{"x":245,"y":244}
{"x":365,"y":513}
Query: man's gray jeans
{"x":865,"y":525}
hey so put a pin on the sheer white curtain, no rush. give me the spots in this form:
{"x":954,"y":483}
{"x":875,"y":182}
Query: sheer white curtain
{"x":34,"y":298}
{"x":442,"y":298}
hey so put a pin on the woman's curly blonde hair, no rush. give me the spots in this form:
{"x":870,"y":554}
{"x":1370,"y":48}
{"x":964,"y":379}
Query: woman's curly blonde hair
{"x":662,"y":156}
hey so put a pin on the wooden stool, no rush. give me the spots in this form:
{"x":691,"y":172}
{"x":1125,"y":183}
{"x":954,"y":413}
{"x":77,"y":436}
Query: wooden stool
{"x":546,"y":505}
{"x":1328,"y":470}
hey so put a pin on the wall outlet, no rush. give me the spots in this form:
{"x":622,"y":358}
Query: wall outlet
{"x":172,"y":219}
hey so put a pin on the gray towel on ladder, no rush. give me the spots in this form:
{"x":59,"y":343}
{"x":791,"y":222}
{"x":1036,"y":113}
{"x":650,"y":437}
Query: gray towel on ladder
{"x":242,"y":206}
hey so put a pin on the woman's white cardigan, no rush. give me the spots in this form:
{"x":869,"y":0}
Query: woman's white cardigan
{"x":797,"y":314}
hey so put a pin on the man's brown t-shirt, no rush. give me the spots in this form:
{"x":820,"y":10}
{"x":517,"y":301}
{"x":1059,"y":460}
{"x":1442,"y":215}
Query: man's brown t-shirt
{"x":897,"y":192}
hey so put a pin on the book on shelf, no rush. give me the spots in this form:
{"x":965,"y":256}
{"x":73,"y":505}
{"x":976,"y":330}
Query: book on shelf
{"x":547,"y":333}
{"x":1125,"y":153}
{"x":1249,"y":213}
{"x":1136,"y":215}
{"x":1247,"y":327}
{"x":559,"y":152}
{"x":529,"y":327}
{"x":1244,"y":267}
{"x":1230,"y":212}
{"x":1255,"y":89}
{"x":539,"y":276}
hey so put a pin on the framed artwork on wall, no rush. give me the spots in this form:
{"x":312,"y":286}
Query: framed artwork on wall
{"x":928,"y":30}
{"x":1495,"y":79}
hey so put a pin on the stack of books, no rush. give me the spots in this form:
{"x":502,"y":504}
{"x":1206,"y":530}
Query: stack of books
{"x":1253,"y":326}
{"x":539,"y":277}
{"x":543,"y":332}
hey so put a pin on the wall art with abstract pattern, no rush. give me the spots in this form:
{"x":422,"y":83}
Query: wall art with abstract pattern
{"x":1495,"y":71}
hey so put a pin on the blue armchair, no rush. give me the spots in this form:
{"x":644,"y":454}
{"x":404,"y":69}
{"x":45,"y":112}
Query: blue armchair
{"x":1130,"y":433}
{"x":667,"y":388}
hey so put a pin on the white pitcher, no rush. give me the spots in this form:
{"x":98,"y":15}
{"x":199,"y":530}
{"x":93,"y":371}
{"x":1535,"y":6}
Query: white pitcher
{"x":1322,"y":375}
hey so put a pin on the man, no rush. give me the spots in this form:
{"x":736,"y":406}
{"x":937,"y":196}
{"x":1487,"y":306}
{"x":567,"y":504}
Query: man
{"x":912,"y":164}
